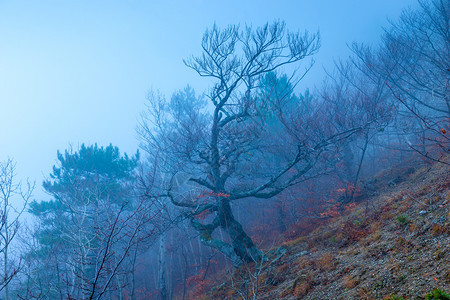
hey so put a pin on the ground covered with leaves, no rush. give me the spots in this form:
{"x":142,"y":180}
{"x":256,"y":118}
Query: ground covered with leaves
{"x":393,"y":245}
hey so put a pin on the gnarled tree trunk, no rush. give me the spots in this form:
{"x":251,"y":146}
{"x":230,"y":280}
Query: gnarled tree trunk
{"x":242,"y":244}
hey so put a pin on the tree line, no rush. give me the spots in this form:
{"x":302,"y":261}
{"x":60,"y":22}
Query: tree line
{"x":224,"y":172}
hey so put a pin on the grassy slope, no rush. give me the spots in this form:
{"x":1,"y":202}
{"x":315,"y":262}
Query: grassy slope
{"x":396,"y":242}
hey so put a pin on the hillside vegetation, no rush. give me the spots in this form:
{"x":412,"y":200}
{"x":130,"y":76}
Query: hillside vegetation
{"x":395,"y":243}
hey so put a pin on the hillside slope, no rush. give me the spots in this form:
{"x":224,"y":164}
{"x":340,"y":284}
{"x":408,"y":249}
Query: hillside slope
{"x":397,"y":242}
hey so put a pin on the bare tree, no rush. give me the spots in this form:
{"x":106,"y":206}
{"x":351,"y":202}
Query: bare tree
{"x":231,"y":147}
{"x":355,"y":100}
{"x":117,"y":239}
{"x":10,"y":191}
{"x":149,"y":181}
{"x":414,"y":62}
{"x":91,"y":227}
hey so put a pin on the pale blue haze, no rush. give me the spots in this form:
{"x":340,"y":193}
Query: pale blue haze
{"x":75,"y":72}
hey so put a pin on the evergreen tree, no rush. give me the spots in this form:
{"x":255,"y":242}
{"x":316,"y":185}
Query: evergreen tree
{"x":90,"y":189}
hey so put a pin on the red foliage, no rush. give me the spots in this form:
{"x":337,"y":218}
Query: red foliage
{"x":354,"y":232}
{"x":205,"y":195}
{"x":203,"y":215}
{"x":303,"y":227}
{"x":198,"y":284}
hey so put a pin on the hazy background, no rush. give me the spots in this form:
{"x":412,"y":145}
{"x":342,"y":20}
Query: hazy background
{"x":75,"y":72}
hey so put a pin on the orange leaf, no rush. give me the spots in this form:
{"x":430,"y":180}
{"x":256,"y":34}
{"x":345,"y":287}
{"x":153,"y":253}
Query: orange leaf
{"x":435,"y":279}
{"x":443,"y":131}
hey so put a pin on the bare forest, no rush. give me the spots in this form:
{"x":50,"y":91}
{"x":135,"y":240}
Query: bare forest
{"x":230,"y":182}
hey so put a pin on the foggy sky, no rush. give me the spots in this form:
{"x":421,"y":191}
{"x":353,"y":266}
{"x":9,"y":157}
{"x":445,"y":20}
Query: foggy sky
{"x":75,"y":72}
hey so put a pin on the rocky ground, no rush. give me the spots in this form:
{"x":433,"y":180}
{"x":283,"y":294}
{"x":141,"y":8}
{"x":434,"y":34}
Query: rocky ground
{"x":395,"y":243}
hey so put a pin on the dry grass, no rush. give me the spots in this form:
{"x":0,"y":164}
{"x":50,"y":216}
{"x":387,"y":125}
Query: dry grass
{"x":400,"y":246}
{"x":349,"y":282}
